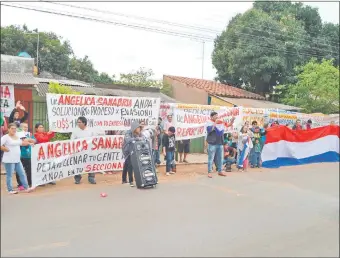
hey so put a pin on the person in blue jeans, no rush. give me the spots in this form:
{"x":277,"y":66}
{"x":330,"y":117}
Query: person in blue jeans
{"x":215,"y":140}
{"x":256,"y":157}
{"x":10,"y":145}
{"x":168,"y":143}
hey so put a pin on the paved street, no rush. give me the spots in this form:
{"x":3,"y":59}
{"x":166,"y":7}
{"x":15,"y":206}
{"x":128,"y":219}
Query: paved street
{"x":285,"y":212}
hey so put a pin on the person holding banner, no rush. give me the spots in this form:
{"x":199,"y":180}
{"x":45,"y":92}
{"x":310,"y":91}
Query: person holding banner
{"x":10,"y":145}
{"x":215,"y":140}
{"x":244,"y":146}
{"x":82,"y":131}
{"x":25,"y":156}
{"x":41,"y":137}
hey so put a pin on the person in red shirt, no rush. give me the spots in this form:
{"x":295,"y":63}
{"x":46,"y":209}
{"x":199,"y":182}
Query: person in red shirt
{"x":309,"y":124}
{"x":297,"y":125}
{"x":41,"y":137}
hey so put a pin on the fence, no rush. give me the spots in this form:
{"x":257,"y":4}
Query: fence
{"x":37,"y":113}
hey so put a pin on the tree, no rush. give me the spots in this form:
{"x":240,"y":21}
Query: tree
{"x":54,"y":53}
{"x":261,"y":48}
{"x":317,"y":89}
{"x":143,"y":78}
{"x":258,"y":51}
{"x":56,"y":88}
{"x":322,"y":40}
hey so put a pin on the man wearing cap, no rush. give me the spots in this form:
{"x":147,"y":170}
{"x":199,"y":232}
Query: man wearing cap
{"x":215,"y":140}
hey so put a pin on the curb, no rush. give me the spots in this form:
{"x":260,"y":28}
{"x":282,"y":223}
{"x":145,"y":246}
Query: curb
{"x":161,"y":165}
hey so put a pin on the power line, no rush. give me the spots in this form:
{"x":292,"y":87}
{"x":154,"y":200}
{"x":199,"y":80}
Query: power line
{"x":134,"y":26}
{"x":175,"y":24}
{"x":190,"y":36}
{"x":189,"y":26}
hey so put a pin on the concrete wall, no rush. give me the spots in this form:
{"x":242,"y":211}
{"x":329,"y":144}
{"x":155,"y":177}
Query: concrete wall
{"x":219,"y":102}
{"x":185,"y":94}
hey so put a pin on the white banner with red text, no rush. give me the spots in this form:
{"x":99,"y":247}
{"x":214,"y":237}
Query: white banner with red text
{"x":103,"y":112}
{"x":190,"y":120}
{"x":54,"y":161}
{"x":7,"y":99}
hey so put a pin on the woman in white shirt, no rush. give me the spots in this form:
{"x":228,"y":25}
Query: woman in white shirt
{"x":10,"y":145}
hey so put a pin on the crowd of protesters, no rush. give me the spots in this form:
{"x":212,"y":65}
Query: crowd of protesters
{"x":224,"y":149}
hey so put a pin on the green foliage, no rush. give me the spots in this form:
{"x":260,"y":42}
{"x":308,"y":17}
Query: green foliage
{"x":56,"y":88}
{"x":143,"y":78}
{"x":55,"y":54}
{"x":258,"y":50}
{"x":53,"y":51}
{"x":82,"y":69}
{"x":261,"y":47}
{"x":317,"y":89}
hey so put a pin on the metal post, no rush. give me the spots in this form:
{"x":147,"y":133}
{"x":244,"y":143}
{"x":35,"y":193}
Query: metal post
{"x":203,"y":59}
{"x":38,"y":52}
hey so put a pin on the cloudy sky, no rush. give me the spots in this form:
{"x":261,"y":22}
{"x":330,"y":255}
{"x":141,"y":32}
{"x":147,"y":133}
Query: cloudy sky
{"x":115,"y":49}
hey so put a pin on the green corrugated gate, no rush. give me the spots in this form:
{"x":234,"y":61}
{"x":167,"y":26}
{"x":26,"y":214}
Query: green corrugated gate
{"x":197,"y":145}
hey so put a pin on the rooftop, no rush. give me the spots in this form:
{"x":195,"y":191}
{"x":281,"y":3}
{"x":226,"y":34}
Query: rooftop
{"x":216,"y":88}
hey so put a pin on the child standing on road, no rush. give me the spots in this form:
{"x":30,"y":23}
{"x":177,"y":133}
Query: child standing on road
{"x":168,"y":144}
{"x":257,"y":153}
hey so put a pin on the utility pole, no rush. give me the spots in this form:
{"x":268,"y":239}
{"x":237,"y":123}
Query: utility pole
{"x":38,"y":51}
{"x":203,"y":59}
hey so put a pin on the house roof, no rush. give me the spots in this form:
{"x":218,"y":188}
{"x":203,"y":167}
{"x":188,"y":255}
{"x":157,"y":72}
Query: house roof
{"x":254,"y":103}
{"x":216,"y":88}
{"x":18,"y":78}
{"x":42,"y":88}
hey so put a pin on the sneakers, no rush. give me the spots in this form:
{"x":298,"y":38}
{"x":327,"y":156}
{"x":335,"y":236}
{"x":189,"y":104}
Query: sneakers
{"x":171,"y":172}
{"x":21,"y":188}
{"x":13,"y":192}
{"x":131,"y":184}
{"x":167,"y":174}
{"x":77,"y":182}
{"x":92,"y":182}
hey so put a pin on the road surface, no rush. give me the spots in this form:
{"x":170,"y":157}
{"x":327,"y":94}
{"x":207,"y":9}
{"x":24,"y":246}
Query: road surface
{"x":287,"y":212}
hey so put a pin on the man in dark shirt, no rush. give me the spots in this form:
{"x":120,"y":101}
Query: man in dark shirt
{"x":168,"y":143}
{"x":215,"y":140}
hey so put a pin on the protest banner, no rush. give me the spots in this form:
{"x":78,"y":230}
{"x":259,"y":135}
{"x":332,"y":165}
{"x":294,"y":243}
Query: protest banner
{"x":7,"y":99}
{"x":190,"y":120}
{"x":104,"y":112}
{"x":254,"y":114}
{"x":165,"y":109}
{"x":318,"y":120}
{"x":284,"y":117}
{"x":61,"y":159}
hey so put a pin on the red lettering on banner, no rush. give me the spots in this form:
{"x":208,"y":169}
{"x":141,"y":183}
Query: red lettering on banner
{"x":103,"y":167}
{"x":76,"y":100}
{"x":41,"y":153}
{"x":56,"y":150}
{"x":183,"y":132}
{"x":194,"y":119}
{"x":5,"y":92}
{"x":107,"y":143}
{"x":117,"y":102}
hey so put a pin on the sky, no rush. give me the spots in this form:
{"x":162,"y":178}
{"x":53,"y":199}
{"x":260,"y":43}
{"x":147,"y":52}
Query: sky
{"x":115,"y":49}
